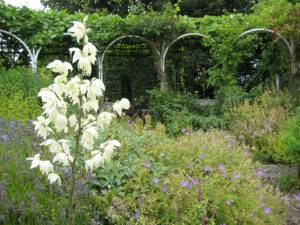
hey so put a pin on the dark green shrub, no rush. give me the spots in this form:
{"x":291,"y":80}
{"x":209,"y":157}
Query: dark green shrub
{"x":179,"y":111}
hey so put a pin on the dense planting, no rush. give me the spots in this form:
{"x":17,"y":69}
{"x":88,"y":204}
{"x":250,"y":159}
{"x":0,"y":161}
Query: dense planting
{"x":68,"y":157}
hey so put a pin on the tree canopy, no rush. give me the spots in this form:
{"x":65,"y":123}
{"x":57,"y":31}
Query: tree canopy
{"x":193,"y":8}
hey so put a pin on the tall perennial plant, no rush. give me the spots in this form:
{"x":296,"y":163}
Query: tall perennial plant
{"x":71,"y":111}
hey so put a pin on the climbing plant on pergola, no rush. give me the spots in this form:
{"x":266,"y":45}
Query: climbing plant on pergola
{"x":159,"y":30}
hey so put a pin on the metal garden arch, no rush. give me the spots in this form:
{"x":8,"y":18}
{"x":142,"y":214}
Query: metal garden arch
{"x":290,"y":46}
{"x":161,"y":54}
{"x":101,"y":58}
{"x":33,"y":55}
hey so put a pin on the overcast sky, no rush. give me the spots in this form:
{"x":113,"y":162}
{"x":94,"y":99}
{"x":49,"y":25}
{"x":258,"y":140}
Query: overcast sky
{"x":33,"y":4}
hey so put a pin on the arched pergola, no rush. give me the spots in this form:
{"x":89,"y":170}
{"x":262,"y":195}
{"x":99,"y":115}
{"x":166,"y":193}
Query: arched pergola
{"x":101,"y":57}
{"x":161,"y":54}
{"x":165,"y":50}
{"x":32,"y":54}
{"x":290,"y":46}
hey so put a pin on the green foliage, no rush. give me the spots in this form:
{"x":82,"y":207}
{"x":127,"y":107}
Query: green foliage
{"x":188,"y":7}
{"x":260,"y":125}
{"x":14,"y":105}
{"x":19,"y":89}
{"x":229,"y":60}
{"x":172,"y":161}
{"x":179,"y":111}
{"x":291,"y":137}
{"x":288,"y":182}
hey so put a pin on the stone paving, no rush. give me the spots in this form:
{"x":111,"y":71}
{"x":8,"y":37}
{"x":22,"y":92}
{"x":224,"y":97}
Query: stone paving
{"x":271,"y":174}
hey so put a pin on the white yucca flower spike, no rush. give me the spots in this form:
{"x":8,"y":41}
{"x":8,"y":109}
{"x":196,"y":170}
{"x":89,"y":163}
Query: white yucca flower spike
{"x":60,"y":67}
{"x":79,"y":31}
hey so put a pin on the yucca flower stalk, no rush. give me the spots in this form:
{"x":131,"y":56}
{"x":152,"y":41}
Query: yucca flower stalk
{"x":71,"y":108}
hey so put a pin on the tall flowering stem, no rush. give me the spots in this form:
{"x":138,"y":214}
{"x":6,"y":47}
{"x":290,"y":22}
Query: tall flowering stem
{"x":71,"y":193}
{"x":215,"y":210}
{"x":199,"y":190}
{"x":204,"y":215}
{"x":71,"y":110}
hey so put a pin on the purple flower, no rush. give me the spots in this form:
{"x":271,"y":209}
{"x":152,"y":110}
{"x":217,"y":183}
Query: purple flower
{"x":185,"y":146}
{"x":202,"y":156}
{"x":223,"y":224}
{"x":228,"y":202}
{"x":5,"y":137}
{"x":190,"y":164}
{"x":246,"y":153}
{"x":183,"y":130}
{"x":188,"y":177}
{"x":262,"y":198}
{"x":260,"y":185}
{"x":205,"y":148}
{"x":164,"y":189}
{"x":184,"y":183}
{"x":187,"y":133}
{"x":213,"y":142}
{"x":224,"y":174}
{"x":286,"y":198}
{"x":132,"y":131}
{"x":250,"y":214}
{"x":236,"y":176}
{"x":190,"y":186}
{"x":155,"y":180}
{"x":221,"y":167}
{"x":228,"y":144}
{"x":297,"y":197}
{"x":195,"y":182}
{"x":205,"y":168}
{"x":147,"y":164}
{"x":136,"y":214}
{"x":267,"y":210}
{"x":262,"y":204}
{"x":260,"y":173}
{"x":232,"y":140}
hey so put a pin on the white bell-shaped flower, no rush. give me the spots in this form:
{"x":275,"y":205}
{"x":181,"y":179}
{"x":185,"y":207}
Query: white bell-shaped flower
{"x":53,"y":177}
{"x":89,"y":105}
{"x":96,"y":89}
{"x":72,"y":89}
{"x":65,"y":146}
{"x":117,"y":108}
{"x":53,"y":145}
{"x":125,"y":103}
{"x":41,"y":127}
{"x":88,"y":137}
{"x":46,"y":167}
{"x":104,"y":119}
{"x":60,"y":67}
{"x":62,"y":158}
{"x":89,"y":49}
{"x":36,"y":159}
{"x":95,"y":161}
{"x":72,"y":120}
{"x":79,"y":31}
{"x":61,"y":123}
